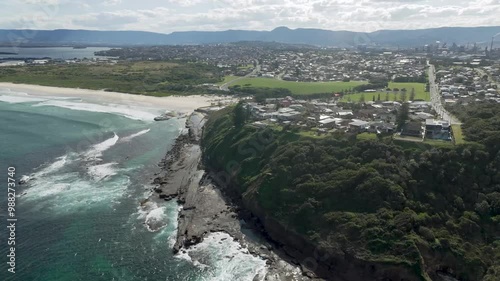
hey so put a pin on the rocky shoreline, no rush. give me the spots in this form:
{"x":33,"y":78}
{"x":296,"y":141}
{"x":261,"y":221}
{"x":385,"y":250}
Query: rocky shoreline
{"x":206,"y":209}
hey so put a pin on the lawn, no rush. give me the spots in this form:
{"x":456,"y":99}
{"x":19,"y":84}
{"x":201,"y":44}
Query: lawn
{"x":311,"y":134}
{"x":298,"y":88}
{"x":420,"y":93}
{"x":457,"y":134}
{"x":248,"y":66}
{"x":439,"y":143}
{"x":228,"y":79}
{"x":366,"y":136}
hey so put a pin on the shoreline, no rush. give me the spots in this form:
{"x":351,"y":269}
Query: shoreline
{"x":207,"y":209}
{"x":182,"y":104}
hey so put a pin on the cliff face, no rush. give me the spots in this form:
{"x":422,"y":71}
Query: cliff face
{"x":314,"y":259}
{"x":360,"y":210}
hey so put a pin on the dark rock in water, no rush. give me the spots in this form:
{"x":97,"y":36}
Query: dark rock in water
{"x":168,"y":197}
{"x":193,"y":241}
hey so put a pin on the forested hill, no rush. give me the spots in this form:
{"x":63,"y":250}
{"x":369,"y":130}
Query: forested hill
{"x":368,"y":210}
{"x":318,"y":37}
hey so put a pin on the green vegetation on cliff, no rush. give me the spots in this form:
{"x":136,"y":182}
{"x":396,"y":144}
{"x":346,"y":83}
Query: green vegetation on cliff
{"x":140,"y":77}
{"x":426,"y":210}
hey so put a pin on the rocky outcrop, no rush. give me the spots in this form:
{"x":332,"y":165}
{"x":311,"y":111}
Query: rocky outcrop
{"x":316,"y":261}
{"x":205,"y":208}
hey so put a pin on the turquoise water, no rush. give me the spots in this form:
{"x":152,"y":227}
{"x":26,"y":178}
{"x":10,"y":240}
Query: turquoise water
{"x":80,"y":216}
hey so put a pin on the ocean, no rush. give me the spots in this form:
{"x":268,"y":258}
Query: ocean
{"x":82,"y":214}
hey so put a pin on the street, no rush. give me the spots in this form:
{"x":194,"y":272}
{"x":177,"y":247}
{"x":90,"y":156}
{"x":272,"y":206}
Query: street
{"x":225,"y":87}
{"x":436,"y":98}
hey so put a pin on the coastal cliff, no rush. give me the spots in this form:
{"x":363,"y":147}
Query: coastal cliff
{"x":358,"y":210}
{"x":206,"y":209}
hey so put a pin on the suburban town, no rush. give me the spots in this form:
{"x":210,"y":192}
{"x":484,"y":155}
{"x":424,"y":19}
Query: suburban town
{"x":405,"y":93}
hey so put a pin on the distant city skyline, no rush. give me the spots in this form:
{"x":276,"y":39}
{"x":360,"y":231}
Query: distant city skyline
{"x":167,"y":16}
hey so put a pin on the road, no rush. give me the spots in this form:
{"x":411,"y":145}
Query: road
{"x":482,"y":72}
{"x":225,"y":87}
{"x":436,"y":98}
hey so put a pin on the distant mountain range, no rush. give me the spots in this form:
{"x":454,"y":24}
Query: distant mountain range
{"x":318,"y":37}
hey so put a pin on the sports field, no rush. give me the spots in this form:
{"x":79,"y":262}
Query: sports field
{"x":420,"y":93}
{"x":298,"y":88}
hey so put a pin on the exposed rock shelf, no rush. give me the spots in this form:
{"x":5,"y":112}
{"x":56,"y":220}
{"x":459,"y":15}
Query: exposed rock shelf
{"x":204,"y":208}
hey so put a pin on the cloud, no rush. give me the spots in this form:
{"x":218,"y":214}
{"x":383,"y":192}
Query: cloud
{"x":41,"y":2}
{"x":180,"y":15}
{"x":111,"y":2}
{"x":107,"y":19}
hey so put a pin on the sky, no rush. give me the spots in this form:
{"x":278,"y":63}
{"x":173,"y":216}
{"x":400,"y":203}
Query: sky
{"x":167,"y":16}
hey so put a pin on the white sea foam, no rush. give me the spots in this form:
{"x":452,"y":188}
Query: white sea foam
{"x":144,"y":209}
{"x":96,"y":151}
{"x":154,"y":216}
{"x":54,"y":167}
{"x":126,"y":111}
{"x":60,"y":186}
{"x":221,"y":258}
{"x":19,"y":99}
{"x":103,"y":171}
{"x":68,"y":192}
{"x":126,"y":139}
{"x":156,"y":219}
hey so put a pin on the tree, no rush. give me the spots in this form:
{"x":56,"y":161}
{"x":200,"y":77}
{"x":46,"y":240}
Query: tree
{"x":386,"y":96}
{"x":403,"y":96}
{"x":378,"y":97}
{"x":412,"y":94}
{"x":403,"y":115}
{"x":362,"y":98}
{"x":482,"y":208}
{"x":240,"y":115}
{"x":373,"y":98}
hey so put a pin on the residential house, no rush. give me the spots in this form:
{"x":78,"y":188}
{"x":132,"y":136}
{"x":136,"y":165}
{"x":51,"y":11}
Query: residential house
{"x":437,"y":129}
{"x":412,"y":129}
{"x":358,"y":126}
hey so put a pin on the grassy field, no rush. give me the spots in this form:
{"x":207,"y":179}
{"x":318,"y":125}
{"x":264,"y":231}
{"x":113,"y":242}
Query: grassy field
{"x":312,"y":134}
{"x":420,"y":93}
{"x":248,"y":66}
{"x":439,"y":143}
{"x":227,"y":79}
{"x":298,"y":88}
{"x":458,"y":134}
{"x":143,"y":77}
{"x":366,"y":136}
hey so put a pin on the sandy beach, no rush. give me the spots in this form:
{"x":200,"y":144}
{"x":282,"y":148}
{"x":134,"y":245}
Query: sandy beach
{"x":184,"y":104}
